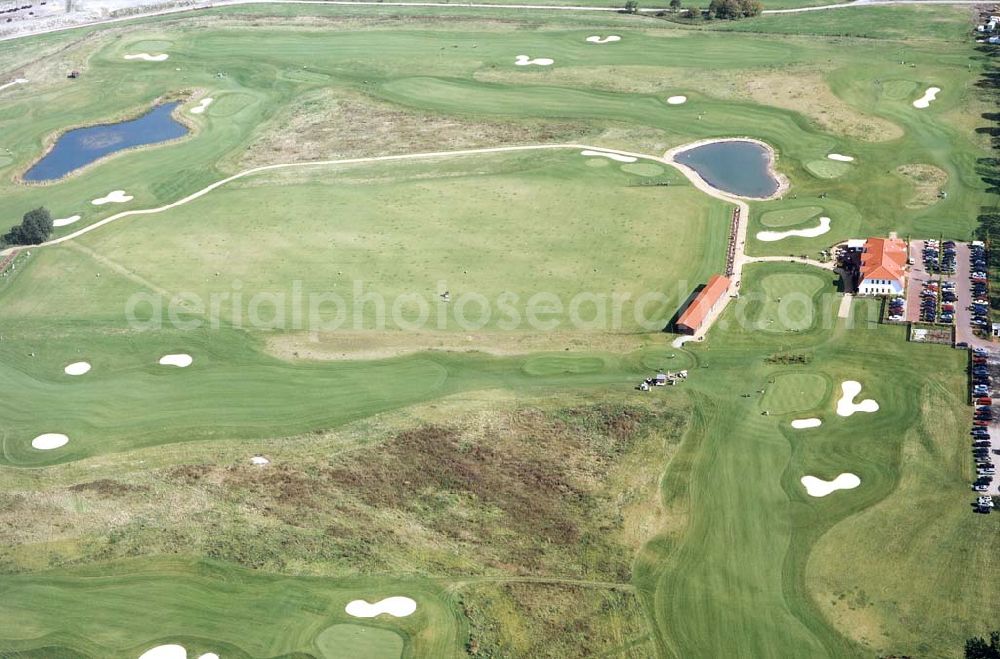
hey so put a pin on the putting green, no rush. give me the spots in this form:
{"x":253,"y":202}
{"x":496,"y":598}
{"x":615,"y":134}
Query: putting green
{"x":827,"y":168}
{"x":350,"y":641}
{"x":787,"y":217}
{"x":898,"y":90}
{"x":643,"y":169}
{"x":795,"y":392}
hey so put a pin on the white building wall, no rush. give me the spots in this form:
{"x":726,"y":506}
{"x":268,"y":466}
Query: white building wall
{"x":880,"y":287}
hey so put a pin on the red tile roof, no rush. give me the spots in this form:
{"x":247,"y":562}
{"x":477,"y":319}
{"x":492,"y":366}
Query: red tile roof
{"x":698,"y":311}
{"x":884,"y":258}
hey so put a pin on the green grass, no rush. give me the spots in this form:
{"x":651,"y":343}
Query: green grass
{"x":789,"y":217}
{"x":734,"y":559}
{"x":795,"y":392}
{"x":122,"y":609}
{"x":827,"y":168}
{"x":358,"y":641}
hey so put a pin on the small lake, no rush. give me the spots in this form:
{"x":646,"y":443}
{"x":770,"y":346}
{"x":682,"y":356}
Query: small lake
{"x":82,"y":146}
{"x":735,"y":166}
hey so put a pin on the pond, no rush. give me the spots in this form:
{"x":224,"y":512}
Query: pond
{"x":82,"y":146}
{"x":738,"y":167}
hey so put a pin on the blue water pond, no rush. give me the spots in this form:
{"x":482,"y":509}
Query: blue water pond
{"x":82,"y":146}
{"x":738,"y":167}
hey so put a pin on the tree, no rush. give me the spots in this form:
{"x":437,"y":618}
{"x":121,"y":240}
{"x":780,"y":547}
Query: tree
{"x":631,"y":7}
{"x":734,"y":9}
{"x":35,"y":228}
{"x":977,"y":647}
{"x":675,"y":4}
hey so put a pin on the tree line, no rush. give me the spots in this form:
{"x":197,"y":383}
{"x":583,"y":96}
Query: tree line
{"x":721,"y":9}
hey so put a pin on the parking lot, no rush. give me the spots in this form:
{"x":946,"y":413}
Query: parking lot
{"x":986,"y":425}
{"x":932,"y":290}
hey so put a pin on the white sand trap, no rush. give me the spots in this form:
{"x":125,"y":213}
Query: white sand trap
{"x":208,"y":655}
{"x":49,"y":441}
{"x":926,"y":99}
{"x":610,"y":39}
{"x":771,"y":236}
{"x":394,"y":606}
{"x":205,"y":102}
{"x":800,"y":424}
{"x":817,"y":487}
{"x":180,"y":360}
{"x":614,"y":156}
{"x":77,"y":368}
{"x":259,"y":460}
{"x":15,"y":81}
{"x":113,"y":197}
{"x":846,"y":405}
{"x":165,"y":652}
{"x":65,"y":221}
{"x":146,"y":57}
{"x":677,"y":100}
{"x":840,"y":157}
{"x":524,"y":60}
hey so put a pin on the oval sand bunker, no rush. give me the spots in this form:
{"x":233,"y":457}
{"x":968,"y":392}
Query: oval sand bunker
{"x":772,"y":236}
{"x":677,"y":100}
{"x":180,"y":360}
{"x":202,"y":106}
{"x":614,"y":156}
{"x":609,"y":39}
{"x":77,"y":368}
{"x":65,"y":221}
{"x":817,"y":487}
{"x":399,"y":607}
{"x":846,"y":405}
{"x":926,"y":99}
{"x":524,"y":60}
{"x":113,"y":197}
{"x":171,"y":651}
{"x":146,"y":57}
{"x":839,"y":157}
{"x":49,"y":441}
{"x":800,"y":424}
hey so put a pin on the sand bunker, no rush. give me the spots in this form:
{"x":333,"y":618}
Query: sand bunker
{"x":205,"y":102}
{"x":840,"y":157}
{"x":926,"y":99}
{"x":614,"y":156}
{"x":15,"y":81}
{"x":65,"y":220}
{"x":610,"y":39}
{"x":771,"y":236}
{"x":259,"y":460}
{"x":146,"y":57}
{"x":113,"y":197}
{"x":171,"y":651}
{"x":817,"y":487}
{"x":77,"y":368}
{"x":800,"y":424}
{"x":180,"y":360}
{"x":677,"y":100}
{"x":524,"y":60}
{"x":209,"y":655}
{"x":399,"y":607}
{"x":49,"y":441}
{"x":846,"y":405}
